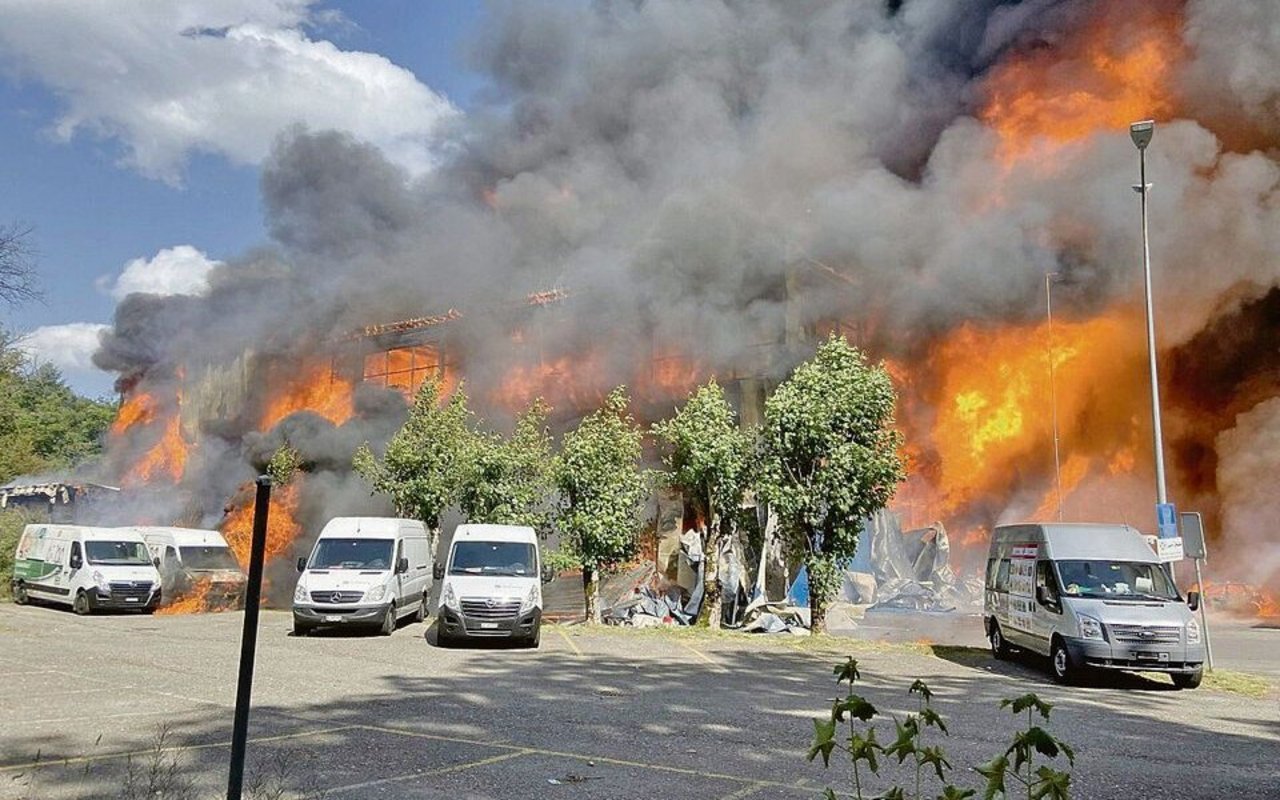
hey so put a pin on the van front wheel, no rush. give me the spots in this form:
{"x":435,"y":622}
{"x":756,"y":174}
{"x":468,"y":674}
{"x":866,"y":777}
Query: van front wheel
{"x":421,"y":614}
{"x":82,"y":606}
{"x":999,"y":647}
{"x":20,"y":594}
{"x":1063,"y":670}
{"x":388,"y":621}
{"x":1188,"y":680}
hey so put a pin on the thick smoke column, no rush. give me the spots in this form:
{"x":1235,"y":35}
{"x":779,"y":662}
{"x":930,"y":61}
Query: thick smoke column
{"x":703,"y":177}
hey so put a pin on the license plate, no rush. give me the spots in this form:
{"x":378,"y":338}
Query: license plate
{"x":333,"y":618}
{"x":1148,"y":656}
{"x":488,"y":625}
{"x":131,"y":599}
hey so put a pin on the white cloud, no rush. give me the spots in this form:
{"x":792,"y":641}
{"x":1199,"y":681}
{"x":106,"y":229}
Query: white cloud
{"x":171,"y":78}
{"x":69,"y":346}
{"x":173,"y":270}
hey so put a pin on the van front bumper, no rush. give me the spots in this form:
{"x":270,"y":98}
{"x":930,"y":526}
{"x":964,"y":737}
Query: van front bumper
{"x":316,"y":615}
{"x":457,"y":625}
{"x":1163,"y":657}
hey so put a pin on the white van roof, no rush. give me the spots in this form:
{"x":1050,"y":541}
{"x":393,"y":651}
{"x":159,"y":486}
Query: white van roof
{"x":183,"y":537}
{"x":1080,"y":540}
{"x":495,"y":533}
{"x":89,"y":533}
{"x":369,"y":527}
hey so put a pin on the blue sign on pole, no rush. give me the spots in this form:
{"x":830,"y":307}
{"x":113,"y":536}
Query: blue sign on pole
{"x":1166,"y":521}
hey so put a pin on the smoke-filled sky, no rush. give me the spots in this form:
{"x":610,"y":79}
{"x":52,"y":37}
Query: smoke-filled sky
{"x":706,"y":174}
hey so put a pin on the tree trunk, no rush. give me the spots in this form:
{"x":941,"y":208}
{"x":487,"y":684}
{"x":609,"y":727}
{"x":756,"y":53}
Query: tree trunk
{"x":591,"y":591}
{"x":817,"y":611}
{"x":712,"y":598}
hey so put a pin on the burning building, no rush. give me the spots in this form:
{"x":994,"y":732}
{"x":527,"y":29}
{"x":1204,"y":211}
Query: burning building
{"x":717,"y":185}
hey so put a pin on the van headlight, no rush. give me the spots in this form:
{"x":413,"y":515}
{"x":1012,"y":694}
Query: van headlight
{"x":376,"y":593}
{"x":103,"y":585}
{"x":530,"y":600}
{"x":448,"y":599}
{"x":300,"y":593}
{"x":1193,"y":631}
{"x":1090,"y":628}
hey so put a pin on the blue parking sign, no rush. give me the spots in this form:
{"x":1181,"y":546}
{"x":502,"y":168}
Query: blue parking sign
{"x":1166,"y":521}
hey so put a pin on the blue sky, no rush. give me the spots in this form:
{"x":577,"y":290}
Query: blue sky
{"x":109,"y":181}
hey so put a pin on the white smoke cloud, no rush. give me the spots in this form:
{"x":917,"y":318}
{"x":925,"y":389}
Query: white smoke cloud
{"x":169,"y":79}
{"x":1248,"y":457}
{"x":174,"y":270}
{"x":67,"y":347}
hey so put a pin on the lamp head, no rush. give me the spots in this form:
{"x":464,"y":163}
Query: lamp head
{"x":1141,"y":133}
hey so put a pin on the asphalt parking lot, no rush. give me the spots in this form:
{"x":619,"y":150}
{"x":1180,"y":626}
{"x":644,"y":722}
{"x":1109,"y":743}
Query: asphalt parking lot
{"x":599,"y":714}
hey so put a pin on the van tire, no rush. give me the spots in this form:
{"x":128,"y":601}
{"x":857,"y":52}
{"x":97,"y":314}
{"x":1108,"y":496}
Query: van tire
{"x":421,"y":614}
{"x":301,"y":629}
{"x":999,"y":647}
{"x":81,"y":605}
{"x":20,"y":594}
{"x":535,"y":638}
{"x":388,"y":621}
{"x":1064,"y":671}
{"x":1188,"y":680}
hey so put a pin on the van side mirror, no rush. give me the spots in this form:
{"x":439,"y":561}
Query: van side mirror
{"x":1193,"y":601}
{"x":548,"y":574}
{"x":1042,"y":597}
{"x":402,"y":566}
{"x":302,"y":565}
{"x":437,"y":571}
{"x":76,"y":561}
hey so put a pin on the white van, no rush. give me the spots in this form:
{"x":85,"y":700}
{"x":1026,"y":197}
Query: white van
{"x":188,"y":556}
{"x":364,"y":571}
{"x":1089,"y":596}
{"x":86,"y":568}
{"x":491,"y":585}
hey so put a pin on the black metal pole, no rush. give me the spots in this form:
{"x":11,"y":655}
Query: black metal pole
{"x":249,"y":638}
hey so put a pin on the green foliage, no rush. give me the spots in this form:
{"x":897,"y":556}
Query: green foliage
{"x":707,"y":458}
{"x":12,"y":521}
{"x":929,"y":761}
{"x":509,"y":481}
{"x":829,"y":459}
{"x":425,"y":463}
{"x":284,"y":464}
{"x":44,"y":425}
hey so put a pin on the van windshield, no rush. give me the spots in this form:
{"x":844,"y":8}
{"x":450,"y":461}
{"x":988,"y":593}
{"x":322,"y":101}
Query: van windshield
{"x":352,"y":554}
{"x":208,"y":558}
{"x":493,"y":558}
{"x":1115,"y":580}
{"x":123,"y":554}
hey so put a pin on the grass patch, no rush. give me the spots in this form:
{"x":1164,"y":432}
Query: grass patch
{"x":1241,"y":683}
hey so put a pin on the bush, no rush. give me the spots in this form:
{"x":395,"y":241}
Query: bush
{"x":12,"y":521}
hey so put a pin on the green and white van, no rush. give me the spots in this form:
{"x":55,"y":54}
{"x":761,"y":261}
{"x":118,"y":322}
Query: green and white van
{"x":86,"y":568}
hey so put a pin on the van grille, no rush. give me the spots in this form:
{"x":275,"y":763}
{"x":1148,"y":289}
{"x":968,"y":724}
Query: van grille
{"x":336,"y":597}
{"x":139,"y":590}
{"x":490,"y":609}
{"x":1146,"y":634}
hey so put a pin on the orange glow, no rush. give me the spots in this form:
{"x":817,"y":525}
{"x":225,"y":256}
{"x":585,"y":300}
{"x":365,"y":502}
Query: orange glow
{"x":166,"y":458}
{"x":672,"y":377}
{"x":994,"y":407}
{"x":282,"y":524}
{"x":1073,"y":472}
{"x":138,"y":409}
{"x":571,"y":380}
{"x":191,"y":602}
{"x":313,"y":387}
{"x":1116,"y":71}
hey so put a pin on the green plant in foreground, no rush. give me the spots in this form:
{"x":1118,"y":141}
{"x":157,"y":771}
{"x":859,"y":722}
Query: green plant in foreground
{"x":928,"y":763}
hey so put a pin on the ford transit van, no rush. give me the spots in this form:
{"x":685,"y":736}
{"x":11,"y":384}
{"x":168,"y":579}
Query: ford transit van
{"x":364,"y":571}
{"x":492,"y":585}
{"x":86,"y":568}
{"x":1089,"y":596}
{"x":189,"y":557}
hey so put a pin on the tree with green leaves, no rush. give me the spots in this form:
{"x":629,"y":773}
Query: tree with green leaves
{"x":707,"y":458}
{"x":829,"y":459}
{"x":601,"y":487}
{"x":425,"y":463}
{"x":510,"y":480}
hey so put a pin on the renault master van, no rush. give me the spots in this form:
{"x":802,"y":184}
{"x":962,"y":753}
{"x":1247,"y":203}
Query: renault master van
{"x":366,"y":572}
{"x":1089,"y":596}
{"x":492,"y":585}
{"x":86,"y":568}
{"x":190,"y":556}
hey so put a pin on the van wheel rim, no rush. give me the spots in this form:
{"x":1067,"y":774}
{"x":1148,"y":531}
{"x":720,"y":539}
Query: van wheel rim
{"x":995,"y":640}
{"x":1060,"y":661}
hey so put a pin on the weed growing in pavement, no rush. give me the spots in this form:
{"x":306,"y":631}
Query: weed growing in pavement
{"x":926,"y":764}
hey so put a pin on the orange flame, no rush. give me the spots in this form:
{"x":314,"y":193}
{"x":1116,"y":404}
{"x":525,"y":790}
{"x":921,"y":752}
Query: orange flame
{"x":191,"y":601}
{"x":282,"y":524}
{"x":1116,"y":71}
{"x":313,"y":387}
{"x":166,"y":458}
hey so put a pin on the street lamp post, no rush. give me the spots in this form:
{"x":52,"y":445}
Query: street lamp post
{"x":1053,"y":390}
{"x":1141,"y":133}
